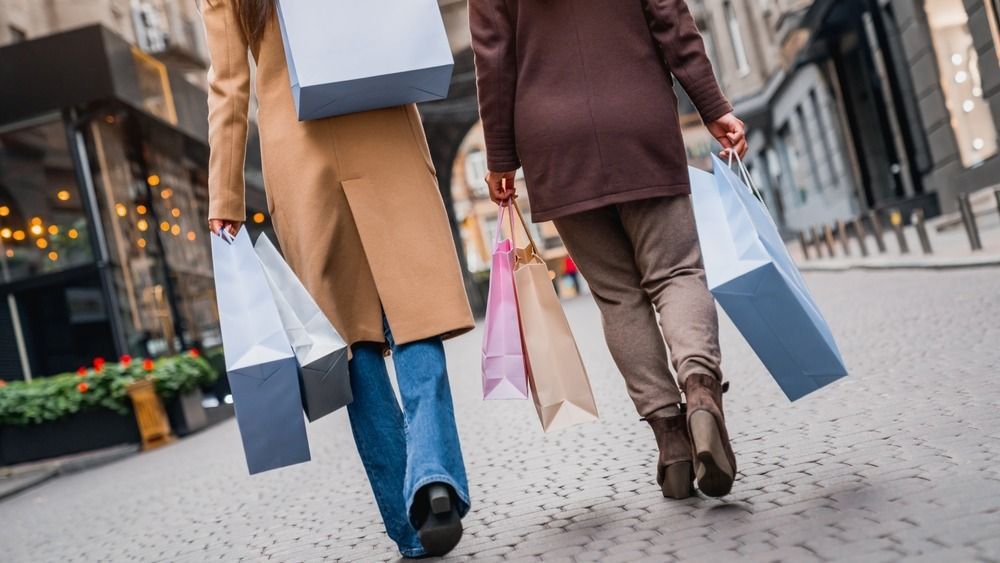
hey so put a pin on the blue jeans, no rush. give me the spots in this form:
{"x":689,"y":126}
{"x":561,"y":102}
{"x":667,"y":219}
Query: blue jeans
{"x":403,"y":450}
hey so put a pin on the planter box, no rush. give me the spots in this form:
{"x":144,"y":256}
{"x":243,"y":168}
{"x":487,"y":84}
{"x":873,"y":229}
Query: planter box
{"x":186,"y":413}
{"x":81,"y":432}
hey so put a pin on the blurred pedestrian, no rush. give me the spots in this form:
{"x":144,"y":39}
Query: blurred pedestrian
{"x":348,"y":195}
{"x":580,"y":93}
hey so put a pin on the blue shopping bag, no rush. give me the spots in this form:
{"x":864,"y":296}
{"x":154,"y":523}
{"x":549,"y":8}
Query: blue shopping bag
{"x":756,"y":282}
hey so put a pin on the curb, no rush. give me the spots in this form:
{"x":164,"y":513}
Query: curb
{"x":915,"y":264}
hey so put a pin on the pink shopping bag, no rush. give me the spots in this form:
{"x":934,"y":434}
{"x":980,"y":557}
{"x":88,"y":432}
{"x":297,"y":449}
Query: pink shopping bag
{"x":504,"y":372}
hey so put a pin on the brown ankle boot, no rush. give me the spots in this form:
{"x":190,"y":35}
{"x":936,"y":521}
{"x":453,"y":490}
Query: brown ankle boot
{"x":674,"y":472}
{"x":714,"y":461}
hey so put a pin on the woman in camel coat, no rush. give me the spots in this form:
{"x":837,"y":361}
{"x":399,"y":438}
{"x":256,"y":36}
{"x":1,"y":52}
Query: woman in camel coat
{"x":356,"y":207}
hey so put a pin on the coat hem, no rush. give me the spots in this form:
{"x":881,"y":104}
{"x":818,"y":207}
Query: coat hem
{"x":542,"y":215}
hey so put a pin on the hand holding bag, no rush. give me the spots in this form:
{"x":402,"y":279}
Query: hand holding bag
{"x":559,"y":384}
{"x":504,"y":370}
{"x":259,"y":361}
{"x":321,"y":352}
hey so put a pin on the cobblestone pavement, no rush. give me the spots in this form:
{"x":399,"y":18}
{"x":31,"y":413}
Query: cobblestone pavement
{"x":896,"y":462}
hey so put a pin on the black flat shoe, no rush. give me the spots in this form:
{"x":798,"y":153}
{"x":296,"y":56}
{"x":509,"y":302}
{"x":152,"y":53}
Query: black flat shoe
{"x":441,"y":529}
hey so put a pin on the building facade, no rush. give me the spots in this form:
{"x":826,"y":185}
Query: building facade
{"x":861,"y":105}
{"x":103,"y":184}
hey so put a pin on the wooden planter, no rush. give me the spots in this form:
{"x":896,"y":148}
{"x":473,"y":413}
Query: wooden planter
{"x":154,"y":426}
{"x":80,"y":432}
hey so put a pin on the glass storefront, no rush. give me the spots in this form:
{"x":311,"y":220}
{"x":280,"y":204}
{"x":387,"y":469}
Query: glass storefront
{"x":54,"y":310}
{"x":958,"y":62}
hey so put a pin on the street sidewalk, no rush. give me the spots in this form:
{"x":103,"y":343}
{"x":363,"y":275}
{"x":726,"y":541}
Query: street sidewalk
{"x":950,"y":248}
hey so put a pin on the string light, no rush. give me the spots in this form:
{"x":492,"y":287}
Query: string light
{"x":166,"y":193}
{"x":6,"y":233}
{"x":10,"y":253}
{"x":176,"y":212}
{"x":37,"y":230}
{"x":141,"y":242}
{"x":19,"y":235}
{"x":258,"y":218}
{"x":72,"y":233}
{"x":153,"y":180}
{"x":175,"y":230}
{"x":63,"y":195}
{"x":35,"y":221}
{"x":164,"y":226}
{"x":53,"y":255}
{"x":53,"y":230}
{"x":42,"y":243}
{"x":4,"y":211}
{"x":191,"y":236}
{"x":140,"y":209}
{"x":121,"y":210}
{"x":142,"y":225}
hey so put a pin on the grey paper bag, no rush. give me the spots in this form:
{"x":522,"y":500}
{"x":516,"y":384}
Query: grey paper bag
{"x":346,"y":56}
{"x":259,"y":360}
{"x":321,"y":352}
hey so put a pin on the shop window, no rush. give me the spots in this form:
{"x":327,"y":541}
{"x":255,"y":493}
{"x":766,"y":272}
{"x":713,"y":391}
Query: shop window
{"x":43,"y":225}
{"x":958,"y":64}
{"x":736,"y":38}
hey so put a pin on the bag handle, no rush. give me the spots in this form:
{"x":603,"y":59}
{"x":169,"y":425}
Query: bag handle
{"x":524,"y":224}
{"x":747,"y":178}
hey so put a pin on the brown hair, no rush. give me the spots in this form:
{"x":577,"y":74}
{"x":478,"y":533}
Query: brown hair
{"x":254,"y":16}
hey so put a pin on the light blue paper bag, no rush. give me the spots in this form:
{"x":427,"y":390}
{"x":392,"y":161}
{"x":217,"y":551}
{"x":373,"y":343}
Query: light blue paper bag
{"x":753,"y":277}
{"x":348,"y":56}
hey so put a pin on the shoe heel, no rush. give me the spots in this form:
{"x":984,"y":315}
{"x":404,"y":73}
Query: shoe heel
{"x":677,"y":482}
{"x":440,"y":499}
{"x":715,"y":475}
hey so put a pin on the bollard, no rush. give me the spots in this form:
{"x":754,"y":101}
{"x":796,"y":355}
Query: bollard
{"x":814,"y":239}
{"x":842,"y":233}
{"x":828,"y":239}
{"x":802,"y":243}
{"x":896,"y":220}
{"x":859,"y":233}
{"x":918,"y":222}
{"x":877,"y":231}
{"x":969,"y":220}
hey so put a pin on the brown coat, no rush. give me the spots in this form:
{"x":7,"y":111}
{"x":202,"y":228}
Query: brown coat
{"x":353,"y":199}
{"x":580,"y":93}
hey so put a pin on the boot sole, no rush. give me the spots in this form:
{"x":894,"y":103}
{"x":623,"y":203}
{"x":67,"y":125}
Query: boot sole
{"x":443,"y":529}
{"x":677,"y":482}
{"x":714,"y":473}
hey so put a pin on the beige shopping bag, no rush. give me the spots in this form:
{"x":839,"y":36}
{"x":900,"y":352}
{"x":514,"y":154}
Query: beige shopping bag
{"x":558,"y":380}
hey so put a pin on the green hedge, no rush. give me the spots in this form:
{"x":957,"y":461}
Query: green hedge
{"x":101,"y":387}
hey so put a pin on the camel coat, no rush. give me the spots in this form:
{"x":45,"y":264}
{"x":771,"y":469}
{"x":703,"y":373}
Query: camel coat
{"x":353,"y":199}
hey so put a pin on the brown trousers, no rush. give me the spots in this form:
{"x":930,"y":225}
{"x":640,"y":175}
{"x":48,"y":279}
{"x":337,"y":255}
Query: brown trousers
{"x":641,"y":258}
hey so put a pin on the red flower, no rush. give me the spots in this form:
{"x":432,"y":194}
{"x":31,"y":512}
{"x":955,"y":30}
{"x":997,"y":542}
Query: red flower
{"x":82,"y":387}
{"x":147,"y":364}
{"x":194,"y":353}
{"x":125,"y":360}
{"x":3,"y":383}
{"x":82,"y":371}
{"x":98,"y":363}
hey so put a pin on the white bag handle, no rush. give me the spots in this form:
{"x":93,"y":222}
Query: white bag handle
{"x":747,"y":178}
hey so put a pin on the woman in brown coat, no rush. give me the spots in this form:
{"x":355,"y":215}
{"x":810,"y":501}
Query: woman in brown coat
{"x":356,"y":207}
{"x":580,"y":93}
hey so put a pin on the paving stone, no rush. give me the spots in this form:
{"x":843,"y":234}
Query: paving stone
{"x":895,"y":462}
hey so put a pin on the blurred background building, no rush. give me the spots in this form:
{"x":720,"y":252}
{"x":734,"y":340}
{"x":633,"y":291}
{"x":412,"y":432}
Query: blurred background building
{"x":853,"y":105}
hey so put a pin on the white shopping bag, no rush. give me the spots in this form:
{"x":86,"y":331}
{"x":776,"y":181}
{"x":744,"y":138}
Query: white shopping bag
{"x":259,"y":359}
{"x":321,"y":352}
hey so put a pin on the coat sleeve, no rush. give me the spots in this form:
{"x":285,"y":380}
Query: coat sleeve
{"x":496,"y":79}
{"x":228,"y":103}
{"x":674,"y":29}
